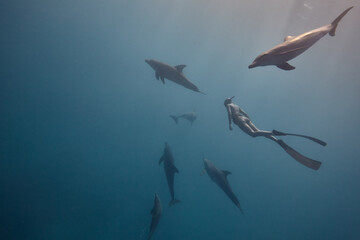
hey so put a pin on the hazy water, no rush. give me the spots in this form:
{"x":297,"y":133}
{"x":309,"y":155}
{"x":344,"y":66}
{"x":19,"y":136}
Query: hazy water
{"x":84,"y":121}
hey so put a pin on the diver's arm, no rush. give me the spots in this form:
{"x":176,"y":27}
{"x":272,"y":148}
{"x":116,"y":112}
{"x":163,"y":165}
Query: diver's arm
{"x":229,"y":115}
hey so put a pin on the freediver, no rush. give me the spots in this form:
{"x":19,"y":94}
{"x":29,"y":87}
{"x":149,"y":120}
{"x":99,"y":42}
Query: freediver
{"x":242,"y":120}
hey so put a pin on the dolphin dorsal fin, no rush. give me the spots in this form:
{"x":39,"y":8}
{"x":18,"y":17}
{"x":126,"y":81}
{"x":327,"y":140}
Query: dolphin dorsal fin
{"x":180,"y":67}
{"x":287,"y":38}
{"x":225,"y":172}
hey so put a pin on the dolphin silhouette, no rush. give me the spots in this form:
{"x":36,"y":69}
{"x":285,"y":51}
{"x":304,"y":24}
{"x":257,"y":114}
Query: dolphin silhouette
{"x":294,"y":46}
{"x":191,"y":117}
{"x":156,"y":212}
{"x":220,"y":178}
{"x":170,"y":171}
{"x":175,"y":74}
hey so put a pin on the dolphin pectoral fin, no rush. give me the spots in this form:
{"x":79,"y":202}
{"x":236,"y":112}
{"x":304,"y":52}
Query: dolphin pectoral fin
{"x":287,"y":38}
{"x":285,"y":66}
{"x":162,"y":79}
{"x":157,"y":75}
{"x":152,"y":210}
{"x":161,"y":159}
{"x":180,"y":67}
{"x":225,"y":172}
{"x":203,"y":172}
{"x":175,"y":169}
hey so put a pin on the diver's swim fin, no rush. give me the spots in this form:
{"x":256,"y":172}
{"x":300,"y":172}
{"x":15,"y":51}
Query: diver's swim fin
{"x":310,"y":163}
{"x":277,"y":133}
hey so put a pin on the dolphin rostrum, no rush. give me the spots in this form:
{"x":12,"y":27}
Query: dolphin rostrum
{"x":170,"y":171}
{"x":220,"y":178}
{"x":191,"y":117}
{"x":156,"y":212}
{"x":293,"y":46}
{"x":175,"y":74}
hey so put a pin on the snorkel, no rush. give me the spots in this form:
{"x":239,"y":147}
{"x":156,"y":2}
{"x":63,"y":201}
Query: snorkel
{"x":228,"y":100}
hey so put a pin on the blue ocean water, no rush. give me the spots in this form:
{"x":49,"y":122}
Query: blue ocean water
{"x":84,"y":120}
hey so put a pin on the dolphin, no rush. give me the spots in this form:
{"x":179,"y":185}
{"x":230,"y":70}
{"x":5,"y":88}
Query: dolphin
{"x":220,"y":178}
{"x":156,"y":212}
{"x":191,"y":117}
{"x":293,"y":46}
{"x":175,"y":74}
{"x":170,"y":171}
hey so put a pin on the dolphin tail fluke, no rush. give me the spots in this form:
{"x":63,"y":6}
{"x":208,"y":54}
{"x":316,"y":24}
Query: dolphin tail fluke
{"x":337,"y":20}
{"x":278,"y":133}
{"x":173,"y":202}
{"x":175,"y":118}
{"x":310,"y":163}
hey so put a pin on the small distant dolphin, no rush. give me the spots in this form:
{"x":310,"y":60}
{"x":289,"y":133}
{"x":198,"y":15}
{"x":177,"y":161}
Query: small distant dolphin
{"x":294,"y":46}
{"x":175,"y":74}
{"x":191,"y":117}
{"x":170,"y":171}
{"x":156,"y":212}
{"x":220,"y":178}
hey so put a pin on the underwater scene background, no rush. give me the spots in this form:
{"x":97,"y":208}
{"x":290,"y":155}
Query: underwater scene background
{"x":84,"y":121}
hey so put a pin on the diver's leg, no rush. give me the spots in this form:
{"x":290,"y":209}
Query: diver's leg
{"x":242,"y":124}
{"x":308,"y":162}
{"x":247,"y":126}
{"x":257,"y":132}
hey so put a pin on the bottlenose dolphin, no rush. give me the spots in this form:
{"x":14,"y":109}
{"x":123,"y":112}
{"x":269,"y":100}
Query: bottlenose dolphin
{"x":175,"y":74}
{"x":156,"y":212}
{"x":220,"y":178}
{"x":191,"y":117}
{"x":170,"y":171}
{"x":293,"y":46}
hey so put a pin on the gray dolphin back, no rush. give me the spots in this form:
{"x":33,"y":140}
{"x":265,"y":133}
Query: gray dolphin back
{"x":170,"y":170}
{"x":220,"y":178}
{"x":156,"y":212}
